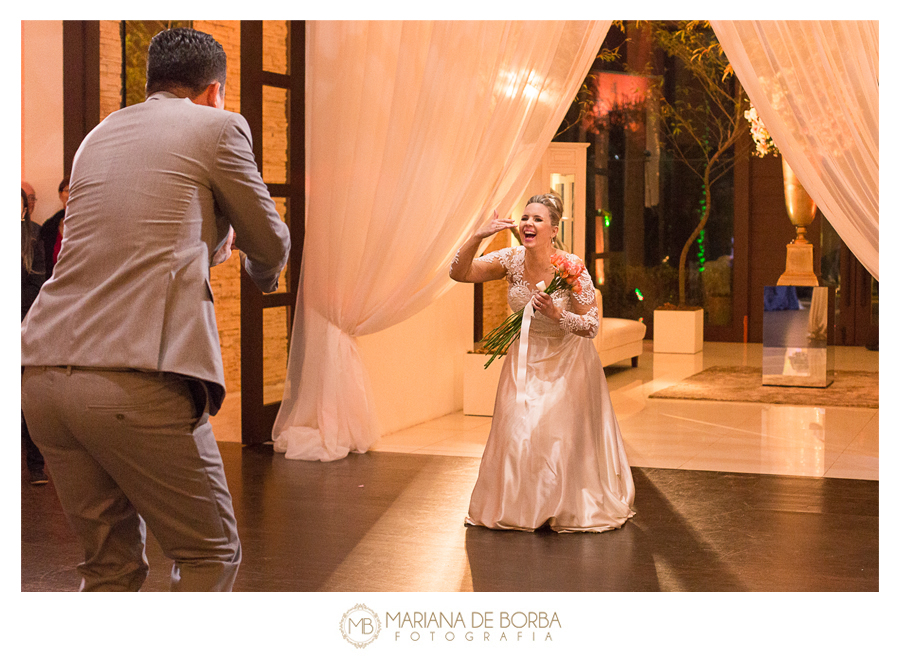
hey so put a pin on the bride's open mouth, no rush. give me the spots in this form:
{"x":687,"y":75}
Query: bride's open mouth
{"x":528,"y":233}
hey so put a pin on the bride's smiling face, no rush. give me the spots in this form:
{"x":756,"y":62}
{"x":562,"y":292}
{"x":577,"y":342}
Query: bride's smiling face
{"x":535,"y":227}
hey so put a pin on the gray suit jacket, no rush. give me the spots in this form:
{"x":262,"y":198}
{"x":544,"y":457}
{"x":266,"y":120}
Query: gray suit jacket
{"x":154,"y":188}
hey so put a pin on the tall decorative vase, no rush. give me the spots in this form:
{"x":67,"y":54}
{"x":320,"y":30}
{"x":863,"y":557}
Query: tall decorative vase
{"x":801,"y":209}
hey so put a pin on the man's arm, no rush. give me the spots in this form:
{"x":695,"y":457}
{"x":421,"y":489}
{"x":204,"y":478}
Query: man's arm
{"x":242,"y":196}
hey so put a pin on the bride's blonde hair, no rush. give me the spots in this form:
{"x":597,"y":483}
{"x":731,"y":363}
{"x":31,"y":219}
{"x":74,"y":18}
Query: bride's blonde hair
{"x":552,"y":202}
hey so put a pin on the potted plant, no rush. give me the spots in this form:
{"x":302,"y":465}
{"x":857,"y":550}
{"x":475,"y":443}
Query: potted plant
{"x":703,"y":121}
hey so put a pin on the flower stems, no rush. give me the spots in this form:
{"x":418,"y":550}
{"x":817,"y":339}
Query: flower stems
{"x":499,"y":339}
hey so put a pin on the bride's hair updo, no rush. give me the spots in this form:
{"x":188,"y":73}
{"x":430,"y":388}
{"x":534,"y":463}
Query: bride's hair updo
{"x":552,"y":202}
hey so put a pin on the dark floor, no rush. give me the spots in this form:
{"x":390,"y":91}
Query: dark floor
{"x":393,"y":522}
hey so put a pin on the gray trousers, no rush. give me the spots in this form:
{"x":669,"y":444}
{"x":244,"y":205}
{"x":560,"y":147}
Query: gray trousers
{"x":123,"y":447}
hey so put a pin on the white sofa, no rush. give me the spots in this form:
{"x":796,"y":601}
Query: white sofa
{"x":620,"y":339}
{"x":617,"y":340}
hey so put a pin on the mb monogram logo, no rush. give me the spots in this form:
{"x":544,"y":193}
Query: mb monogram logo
{"x":360,"y":626}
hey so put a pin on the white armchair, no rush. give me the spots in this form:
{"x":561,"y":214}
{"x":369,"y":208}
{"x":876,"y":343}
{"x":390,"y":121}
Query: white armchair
{"x":619,"y":339}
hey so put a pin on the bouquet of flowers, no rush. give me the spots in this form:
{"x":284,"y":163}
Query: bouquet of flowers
{"x":761,"y":137}
{"x":565,"y":277}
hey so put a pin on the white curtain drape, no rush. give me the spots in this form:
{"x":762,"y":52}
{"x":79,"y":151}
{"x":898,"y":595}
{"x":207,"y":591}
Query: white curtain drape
{"x":416,"y":130}
{"x":815,"y":87}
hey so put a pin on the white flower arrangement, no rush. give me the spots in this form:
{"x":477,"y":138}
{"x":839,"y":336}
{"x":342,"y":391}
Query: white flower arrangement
{"x":764,"y":142}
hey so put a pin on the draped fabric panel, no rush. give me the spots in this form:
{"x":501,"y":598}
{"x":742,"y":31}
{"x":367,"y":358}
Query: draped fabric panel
{"x":815,"y":87}
{"x":416,"y":131}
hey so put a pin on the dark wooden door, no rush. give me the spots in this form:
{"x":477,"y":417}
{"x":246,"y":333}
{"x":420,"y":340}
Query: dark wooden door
{"x":856,"y":303}
{"x":273,"y":67}
{"x":81,"y":85}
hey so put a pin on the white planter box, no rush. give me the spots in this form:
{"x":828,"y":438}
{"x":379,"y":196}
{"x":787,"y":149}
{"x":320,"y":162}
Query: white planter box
{"x":480,"y":385}
{"x":678,"y":332}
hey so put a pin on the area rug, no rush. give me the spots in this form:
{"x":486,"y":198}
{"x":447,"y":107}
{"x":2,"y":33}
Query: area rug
{"x":851,"y":388}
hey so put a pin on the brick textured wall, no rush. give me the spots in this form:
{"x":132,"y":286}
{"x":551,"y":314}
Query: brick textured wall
{"x":275,"y":140}
{"x":110,"y":68}
{"x":275,"y":46}
{"x":227,"y":33}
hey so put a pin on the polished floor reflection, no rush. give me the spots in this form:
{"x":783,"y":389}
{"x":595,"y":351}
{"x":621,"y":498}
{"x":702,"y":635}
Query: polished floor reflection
{"x":835,"y":442}
{"x":392,"y":522}
{"x":729,"y":497}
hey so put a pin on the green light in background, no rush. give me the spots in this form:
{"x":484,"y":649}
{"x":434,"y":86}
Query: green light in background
{"x":639,"y":294}
{"x":701,"y":248}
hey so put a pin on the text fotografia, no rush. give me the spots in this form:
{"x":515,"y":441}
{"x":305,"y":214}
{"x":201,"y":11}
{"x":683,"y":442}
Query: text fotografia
{"x":477,"y":626}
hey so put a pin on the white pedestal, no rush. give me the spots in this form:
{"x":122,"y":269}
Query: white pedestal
{"x":678,"y":332}
{"x":480,"y":385}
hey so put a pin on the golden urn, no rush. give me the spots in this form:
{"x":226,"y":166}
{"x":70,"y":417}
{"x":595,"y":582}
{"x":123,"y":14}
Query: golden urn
{"x":801,"y":210}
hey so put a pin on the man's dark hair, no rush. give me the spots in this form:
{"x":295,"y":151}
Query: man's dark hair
{"x":183,"y":58}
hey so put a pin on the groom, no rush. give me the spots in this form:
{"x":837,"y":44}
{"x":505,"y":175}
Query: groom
{"x":121,"y":351}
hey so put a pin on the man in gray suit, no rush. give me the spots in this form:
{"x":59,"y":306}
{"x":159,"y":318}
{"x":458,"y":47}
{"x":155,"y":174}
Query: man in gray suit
{"x":121,"y":351}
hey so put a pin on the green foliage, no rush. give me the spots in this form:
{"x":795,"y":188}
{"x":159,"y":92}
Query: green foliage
{"x":702,"y":113}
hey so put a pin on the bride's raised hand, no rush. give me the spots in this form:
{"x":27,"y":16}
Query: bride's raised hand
{"x":494,"y":225}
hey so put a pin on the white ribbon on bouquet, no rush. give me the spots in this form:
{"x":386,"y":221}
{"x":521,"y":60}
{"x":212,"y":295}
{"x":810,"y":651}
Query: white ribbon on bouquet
{"x":523,"y":347}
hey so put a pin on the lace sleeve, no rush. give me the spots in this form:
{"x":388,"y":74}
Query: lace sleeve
{"x":585,"y":325}
{"x":500,"y":256}
{"x":587,"y":296}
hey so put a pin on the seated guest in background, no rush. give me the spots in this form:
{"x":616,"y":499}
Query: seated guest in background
{"x":121,"y":351}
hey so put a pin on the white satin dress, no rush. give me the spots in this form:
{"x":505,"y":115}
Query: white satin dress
{"x":555,"y":458}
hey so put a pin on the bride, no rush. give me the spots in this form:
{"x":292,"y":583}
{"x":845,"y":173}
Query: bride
{"x":555,"y":454}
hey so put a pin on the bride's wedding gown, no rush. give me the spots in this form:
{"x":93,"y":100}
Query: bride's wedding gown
{"x":557,"y":457}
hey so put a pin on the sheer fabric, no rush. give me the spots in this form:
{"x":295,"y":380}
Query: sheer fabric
{"x":815,"y":86}
{"x":416,"y":131}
